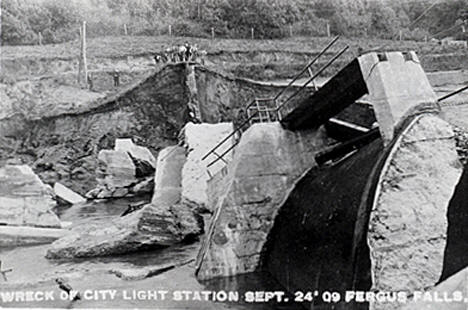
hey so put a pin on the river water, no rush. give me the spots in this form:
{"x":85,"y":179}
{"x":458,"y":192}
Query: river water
{"x":32,"y":271}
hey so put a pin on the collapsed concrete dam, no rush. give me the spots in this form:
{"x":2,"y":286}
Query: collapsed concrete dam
{"x":62,"y":143}
{"x":335,"y":196}
{"x":367,"y":214}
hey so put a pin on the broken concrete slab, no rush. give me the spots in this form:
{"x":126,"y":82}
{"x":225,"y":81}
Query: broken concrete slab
{"x":148,"y":228}
{"x":136,"y":151}
{"x":67,"y":195}
{"x":199,"y":139}
{"x":24,"y":235}
{"x":116,"y":169}
{"x":168,"y":177}
{"x":397,"y":84}
{"x":394,"y":82}
{"x":146,"y":272}
{"x":24,"y":199}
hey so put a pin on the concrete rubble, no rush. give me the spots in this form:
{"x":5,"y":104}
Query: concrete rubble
{"x":65,"y":194}
{"x":24,"y":199}
{"x":163,"y":222}
{"x":124,"y":172}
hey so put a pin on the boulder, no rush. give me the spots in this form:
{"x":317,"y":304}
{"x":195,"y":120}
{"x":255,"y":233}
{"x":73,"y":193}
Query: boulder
{"x":199,"y":140}
{"x":148,"y":228}
{"x":67,"y":195}
{"x":24,"y":199}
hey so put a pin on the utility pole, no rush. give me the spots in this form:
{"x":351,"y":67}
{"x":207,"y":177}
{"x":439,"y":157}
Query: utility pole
{"x":252,"y":33}
{"x":212,"y":33}
{"x":328,"y":29}
{"x":170,"y":30}
{"x":401,"y":34}
{"x":125,"y":30}
{"x":83,"y":66}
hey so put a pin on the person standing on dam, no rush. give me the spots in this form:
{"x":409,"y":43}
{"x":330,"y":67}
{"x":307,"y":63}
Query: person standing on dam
{"x":116,"y":77}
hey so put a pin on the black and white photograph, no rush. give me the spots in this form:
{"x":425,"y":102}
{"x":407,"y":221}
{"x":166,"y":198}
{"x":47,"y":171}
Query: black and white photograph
{"x":234,"y":154}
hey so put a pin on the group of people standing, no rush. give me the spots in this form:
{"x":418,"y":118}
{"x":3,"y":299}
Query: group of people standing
{"x":177,"y":53}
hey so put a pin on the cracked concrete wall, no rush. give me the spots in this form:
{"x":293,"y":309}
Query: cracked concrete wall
{"x":408,"y":222}
{"x":266,"y":164}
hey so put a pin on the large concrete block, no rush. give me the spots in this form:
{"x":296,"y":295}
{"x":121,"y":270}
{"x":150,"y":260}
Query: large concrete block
{"x":168,"y":177}
{"x":199,"y":140}
{"x":251,"y":195}
{"x":24,"y":199}
{"x":118,"y":169}
{"x":396,"y":83}
{"x":138,"y":152}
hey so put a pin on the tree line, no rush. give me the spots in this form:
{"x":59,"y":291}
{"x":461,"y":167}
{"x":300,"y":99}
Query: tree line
{"x":54,"y":21}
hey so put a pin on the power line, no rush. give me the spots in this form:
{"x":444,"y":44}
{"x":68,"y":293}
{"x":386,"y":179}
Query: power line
{"x":422,"y":14}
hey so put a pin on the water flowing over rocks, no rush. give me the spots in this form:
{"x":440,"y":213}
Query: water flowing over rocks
{"x":24,"y":199}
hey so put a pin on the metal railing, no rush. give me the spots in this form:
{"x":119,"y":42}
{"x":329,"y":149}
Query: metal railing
{"x":323,"y":68}
{"x":263,"y":111}
{"x":256,"y":112}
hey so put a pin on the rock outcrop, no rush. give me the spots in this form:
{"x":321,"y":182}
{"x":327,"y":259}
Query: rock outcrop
{"x":408,"y":222}
{"x":199,"y":139}
{"x":266,"y":164}
{"x":24,"y":199}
